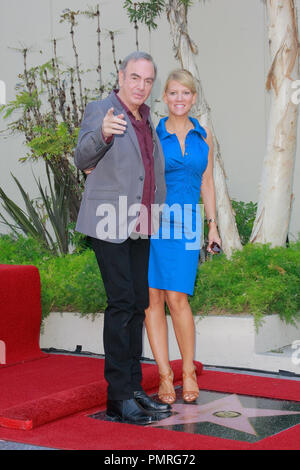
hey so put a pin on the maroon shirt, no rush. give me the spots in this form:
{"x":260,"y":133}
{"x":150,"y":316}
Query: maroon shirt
{"x":144,"y":136}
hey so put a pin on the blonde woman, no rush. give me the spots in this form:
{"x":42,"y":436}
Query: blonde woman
{"x":174,"y":250}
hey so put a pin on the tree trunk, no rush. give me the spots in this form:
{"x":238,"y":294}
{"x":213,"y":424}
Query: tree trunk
{"x":274,"y":206}
{"x":186,"y":52}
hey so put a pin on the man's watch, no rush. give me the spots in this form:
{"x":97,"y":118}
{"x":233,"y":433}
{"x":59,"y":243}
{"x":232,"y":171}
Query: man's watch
{"x":211,"y":220}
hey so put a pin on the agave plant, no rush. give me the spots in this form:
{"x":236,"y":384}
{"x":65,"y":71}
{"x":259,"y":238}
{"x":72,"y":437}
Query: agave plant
{"x":57,"y":208}
{"x":33,"y":222}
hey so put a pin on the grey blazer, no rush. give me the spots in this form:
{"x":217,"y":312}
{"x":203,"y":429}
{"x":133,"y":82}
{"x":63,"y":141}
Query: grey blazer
{"x":113,"y":190}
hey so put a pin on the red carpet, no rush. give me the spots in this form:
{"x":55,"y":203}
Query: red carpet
{"x":20,"y":313}
{"x":62,"y":376}
{"x":39,"y":392}
{"x":58,"y":405}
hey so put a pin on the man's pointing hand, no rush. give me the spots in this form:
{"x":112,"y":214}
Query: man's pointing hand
{"x":112,"y":124}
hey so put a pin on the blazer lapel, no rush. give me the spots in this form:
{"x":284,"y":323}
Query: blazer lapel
{"x":132,"y":135}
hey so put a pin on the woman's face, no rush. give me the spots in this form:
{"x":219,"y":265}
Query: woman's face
{"x":179,"y":98}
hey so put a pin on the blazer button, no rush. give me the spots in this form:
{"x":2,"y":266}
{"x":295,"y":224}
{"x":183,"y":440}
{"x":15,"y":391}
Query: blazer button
{"x":139,"y":198}
{"x":141,"y":178}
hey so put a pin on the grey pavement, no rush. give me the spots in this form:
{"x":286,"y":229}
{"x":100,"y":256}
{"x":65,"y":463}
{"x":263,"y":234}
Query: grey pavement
{"x":10,"y":445}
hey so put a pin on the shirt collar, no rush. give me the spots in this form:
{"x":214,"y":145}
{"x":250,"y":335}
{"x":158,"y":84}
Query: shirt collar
{"x":163,"y":133}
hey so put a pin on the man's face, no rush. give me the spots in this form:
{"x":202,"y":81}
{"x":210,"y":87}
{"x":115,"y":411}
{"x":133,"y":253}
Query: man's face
{"x":136,"y":82}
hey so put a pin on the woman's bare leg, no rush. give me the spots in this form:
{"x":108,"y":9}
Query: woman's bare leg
{"x":157,"y":331}
{"x":184,"y":327}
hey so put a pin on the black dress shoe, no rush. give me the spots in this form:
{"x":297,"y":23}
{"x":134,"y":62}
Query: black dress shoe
{"x":127,"y":411}
{"x":150,"y":405}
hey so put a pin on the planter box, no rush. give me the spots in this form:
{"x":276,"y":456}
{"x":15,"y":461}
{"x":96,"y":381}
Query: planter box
{"x":221,"y":340}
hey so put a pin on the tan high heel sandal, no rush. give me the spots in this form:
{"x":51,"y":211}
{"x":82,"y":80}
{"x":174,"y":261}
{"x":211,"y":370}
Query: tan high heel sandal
{"x":167,"y":379}
{"x":190,"y":396}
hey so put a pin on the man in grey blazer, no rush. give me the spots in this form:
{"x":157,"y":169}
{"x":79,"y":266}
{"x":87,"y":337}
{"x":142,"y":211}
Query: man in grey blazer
{"x":120,"y":152}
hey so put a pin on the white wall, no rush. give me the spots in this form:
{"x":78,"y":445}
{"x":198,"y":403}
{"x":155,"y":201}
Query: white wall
{"x":233,"y":61}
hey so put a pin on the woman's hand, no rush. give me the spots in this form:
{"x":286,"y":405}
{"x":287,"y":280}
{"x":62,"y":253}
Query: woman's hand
{"x":88,"y":170}
{"x":213,"y":237}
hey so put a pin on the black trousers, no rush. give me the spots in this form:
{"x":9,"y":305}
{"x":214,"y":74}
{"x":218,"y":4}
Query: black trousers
{"x":124,"y":270}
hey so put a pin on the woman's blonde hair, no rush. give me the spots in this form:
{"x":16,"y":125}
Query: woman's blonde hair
{"x":184,"y":77}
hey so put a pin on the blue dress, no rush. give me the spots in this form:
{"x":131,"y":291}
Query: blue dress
{"x":174,"y":249}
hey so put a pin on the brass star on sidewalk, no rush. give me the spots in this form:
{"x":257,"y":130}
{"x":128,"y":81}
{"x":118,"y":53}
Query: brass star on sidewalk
{"x":228,"y":412}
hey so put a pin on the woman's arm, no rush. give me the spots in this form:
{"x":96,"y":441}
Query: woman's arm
{"x":208,"y":195}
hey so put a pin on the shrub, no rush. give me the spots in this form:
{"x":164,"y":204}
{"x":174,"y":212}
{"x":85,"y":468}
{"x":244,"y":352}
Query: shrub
{"x":257,"y":280}
{"x":245,"y":213}
{"x":68,"y":283}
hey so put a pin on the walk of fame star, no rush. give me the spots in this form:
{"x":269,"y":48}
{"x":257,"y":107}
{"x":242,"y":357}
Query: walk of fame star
{"x":227,"y":412}
{"x":230,"y":416}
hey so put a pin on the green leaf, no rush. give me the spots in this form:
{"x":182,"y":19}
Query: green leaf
{"x":144,"y":12}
